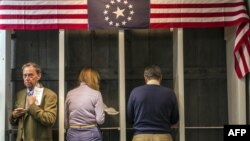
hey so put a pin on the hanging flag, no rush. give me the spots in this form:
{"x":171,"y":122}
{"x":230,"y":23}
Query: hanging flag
{"x":118,"y":14}
{"x":197,"y":13}
{"x":242,"y":50}
{"x":207,"y":13}
{"x":40,"y":14}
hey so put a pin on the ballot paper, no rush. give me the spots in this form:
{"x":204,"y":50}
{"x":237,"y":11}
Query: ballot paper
{"x":110,"y":110}
{"x":38,"y":93}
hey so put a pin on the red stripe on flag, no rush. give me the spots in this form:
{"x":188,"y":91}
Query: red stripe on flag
{"x":237,"y":68}
{"x":194,"y":5}
{"x":248,"y":47}
{"x":51,"y":16}
{"x":40,"y":7}
{"x":196,"y":24}
{"x":43,"y":26}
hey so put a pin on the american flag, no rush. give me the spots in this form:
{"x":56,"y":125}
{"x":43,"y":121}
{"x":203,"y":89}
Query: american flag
{"x":207,"y":13}
{"x":197,"y":13}
{"x":75,"y":14}
{"x":242,"y":50}
{"x":43,"y":14}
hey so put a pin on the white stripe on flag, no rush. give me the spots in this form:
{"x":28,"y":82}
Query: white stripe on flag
{"x":43,"y":12}
{"x":246,"y":54}
{"x":196,"y":10}
{"x":44,"y":21}
{"x":197,"y":19}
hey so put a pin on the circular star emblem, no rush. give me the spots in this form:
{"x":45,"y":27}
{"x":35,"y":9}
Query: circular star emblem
{"x":118,"y":13}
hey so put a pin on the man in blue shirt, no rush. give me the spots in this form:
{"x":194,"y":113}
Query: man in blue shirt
{"x":152,"y":108}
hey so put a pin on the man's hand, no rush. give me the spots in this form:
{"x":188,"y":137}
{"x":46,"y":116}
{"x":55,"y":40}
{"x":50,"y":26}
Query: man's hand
{"x":18,"y":112}
{"x":31,"y":99}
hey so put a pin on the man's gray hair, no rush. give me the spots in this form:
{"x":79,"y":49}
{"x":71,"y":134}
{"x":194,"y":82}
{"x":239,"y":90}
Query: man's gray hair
{"x":37,"y":67}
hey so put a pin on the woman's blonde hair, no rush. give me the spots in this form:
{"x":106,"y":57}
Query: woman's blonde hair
{"x":91,"y":77}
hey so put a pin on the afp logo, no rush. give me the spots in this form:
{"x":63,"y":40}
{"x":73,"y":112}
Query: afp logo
{"x":238,"y":132}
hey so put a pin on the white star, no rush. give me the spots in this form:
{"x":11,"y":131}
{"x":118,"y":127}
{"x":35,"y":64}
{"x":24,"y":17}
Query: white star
{"x":124,"y":23}
{"x":112,"y":2}
{"x":106,"y":18}
{"x":107,"y":6}
{"x":119,"y":12}
{"x":131,"y":12}
{"x":110,"y":23}
{"x":105,"y":12}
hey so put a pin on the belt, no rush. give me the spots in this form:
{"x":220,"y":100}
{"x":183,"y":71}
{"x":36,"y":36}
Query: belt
{"x":82,"y":126}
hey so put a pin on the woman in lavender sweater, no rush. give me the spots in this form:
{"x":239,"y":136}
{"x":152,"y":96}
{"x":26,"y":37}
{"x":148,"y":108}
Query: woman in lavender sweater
{"x":84,"y":109}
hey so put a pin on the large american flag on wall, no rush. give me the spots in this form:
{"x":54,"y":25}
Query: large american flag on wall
{"x":43,"y":14}
{"x":130,"y":14}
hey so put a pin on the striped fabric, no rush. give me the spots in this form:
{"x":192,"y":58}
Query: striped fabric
{"x":197,"y":13}
{"x":207,"y":13}
{"x":40,"y":14}
{"x":242,"y":50}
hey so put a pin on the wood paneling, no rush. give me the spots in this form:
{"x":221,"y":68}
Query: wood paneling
{"x":204,"y":68}
{"x":40,"y":47}
{"x":205,"y":83}
{"x":143,"y":48}
{"x":98,"y":49}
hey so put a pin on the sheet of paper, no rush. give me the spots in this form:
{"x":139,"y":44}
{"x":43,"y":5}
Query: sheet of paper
{"x":38,"y":93}
{"x":110,"y":110}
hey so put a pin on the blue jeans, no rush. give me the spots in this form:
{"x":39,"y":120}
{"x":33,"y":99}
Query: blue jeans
{"x":152,"y":137}
{"x":86,"y":134}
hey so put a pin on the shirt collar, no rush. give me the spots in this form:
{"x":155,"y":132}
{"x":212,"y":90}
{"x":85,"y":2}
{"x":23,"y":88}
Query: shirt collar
{"x":37,"y":85}
{"x":153,"y":82}
{"x":83,"y":83}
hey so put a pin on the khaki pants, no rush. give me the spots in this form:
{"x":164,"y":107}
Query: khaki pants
{"x":152,"y":137}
